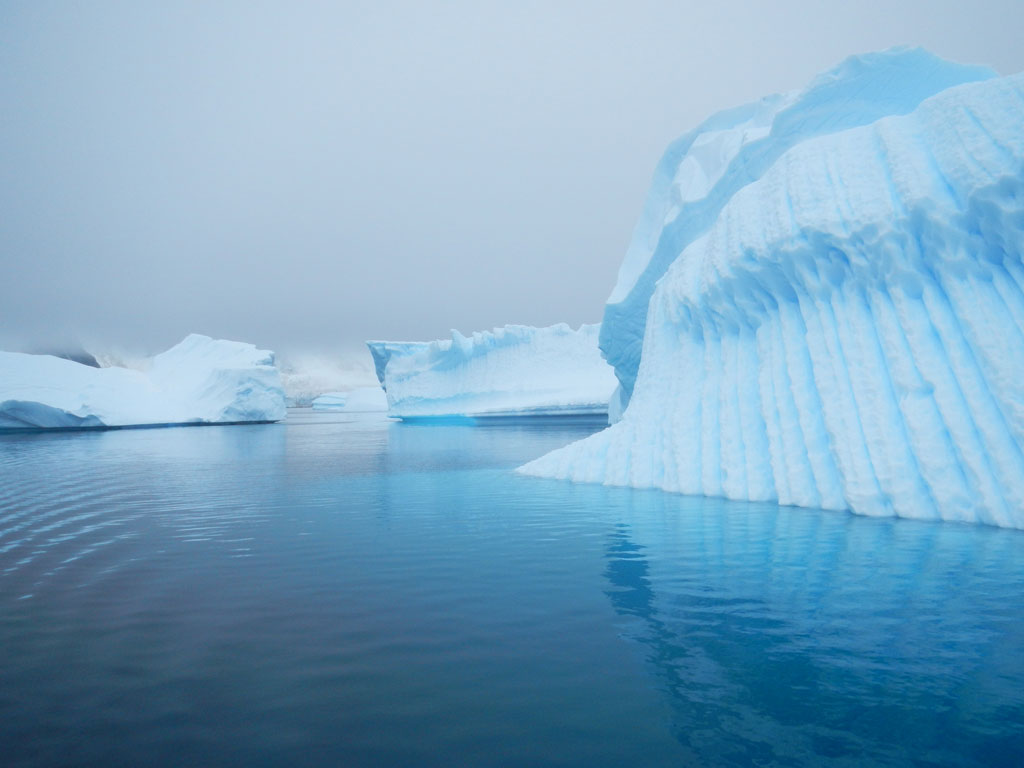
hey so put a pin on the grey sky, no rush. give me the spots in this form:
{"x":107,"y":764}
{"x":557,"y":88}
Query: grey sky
{"x":307,"y":175}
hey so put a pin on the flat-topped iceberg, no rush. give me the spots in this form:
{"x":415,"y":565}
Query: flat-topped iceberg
{"x":198,"y":381}
{"x":514,"y":371}
{"x":360,"y":400}
{"x":848,"y":332}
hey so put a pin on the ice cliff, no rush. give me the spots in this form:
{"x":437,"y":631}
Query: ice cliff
{"x":200,"y":380}
{"x":845,"y":328}
{"x":511,"y":371}
{"x":701,"y":171}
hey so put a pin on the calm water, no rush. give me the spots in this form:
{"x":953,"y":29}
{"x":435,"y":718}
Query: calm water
{"x":354,"y":592}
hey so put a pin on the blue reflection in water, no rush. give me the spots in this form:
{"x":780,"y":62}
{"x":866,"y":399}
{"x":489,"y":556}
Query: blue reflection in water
{"x":788,"y":637}
{"x":339,"y":591}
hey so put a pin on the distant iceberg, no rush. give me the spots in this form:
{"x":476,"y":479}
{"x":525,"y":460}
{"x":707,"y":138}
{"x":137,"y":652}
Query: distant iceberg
{"x":198,"y":381}
{"x":305,"y":376}
{"x":845,"y":328}
{"x":514,"y":371}
{"x":361,"y":400}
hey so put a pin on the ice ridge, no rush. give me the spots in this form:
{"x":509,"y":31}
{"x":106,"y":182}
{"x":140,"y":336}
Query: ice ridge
{"x":702,"y":171}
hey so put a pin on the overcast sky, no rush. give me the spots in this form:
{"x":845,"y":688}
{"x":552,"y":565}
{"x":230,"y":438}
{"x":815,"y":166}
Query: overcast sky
{"x":306,"y":175}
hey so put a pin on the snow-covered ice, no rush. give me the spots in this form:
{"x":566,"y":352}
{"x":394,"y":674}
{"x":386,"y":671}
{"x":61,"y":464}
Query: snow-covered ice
{"x":360,"y":400}
{"x":511,"y":371}
{"x":845,"y":330}
{"x":200,"y":380}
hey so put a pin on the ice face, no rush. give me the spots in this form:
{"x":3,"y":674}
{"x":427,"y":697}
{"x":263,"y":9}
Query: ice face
{"x":200,"y":380}
{"x":383,"y":351}
{"x":512,"y":371}
{"x":849,"y":331}
{"x":702,"y":171}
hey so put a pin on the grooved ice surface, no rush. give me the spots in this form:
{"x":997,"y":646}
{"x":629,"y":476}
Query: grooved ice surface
{"x":701,"y":171}
{"x":200,"y":380}
{"x":511,"y":371}
{"x":849,"y":332}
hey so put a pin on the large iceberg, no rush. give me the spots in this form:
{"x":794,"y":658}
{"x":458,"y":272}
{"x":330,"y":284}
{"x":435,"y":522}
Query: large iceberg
{"x":511,"y":371}
{"x":848,"y":332}
{"x":198,"y":381}
{"x":702,"y":170}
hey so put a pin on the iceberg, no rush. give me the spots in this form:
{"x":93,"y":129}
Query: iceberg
{"x":514,"y":371}
{"x":198,"y":381}
{"x":848,"y":333}
{"x":701,"y":171}
{"x":360,"y":400}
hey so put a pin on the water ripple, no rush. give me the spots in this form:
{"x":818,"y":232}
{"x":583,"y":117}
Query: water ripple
{"x":364,"y":593}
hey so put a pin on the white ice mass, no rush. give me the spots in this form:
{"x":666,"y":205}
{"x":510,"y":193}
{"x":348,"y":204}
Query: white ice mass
{"x":511,"y":371}
{"x":843,"y":326}
{"x":702,"y":170}
{"x":200,"y":380}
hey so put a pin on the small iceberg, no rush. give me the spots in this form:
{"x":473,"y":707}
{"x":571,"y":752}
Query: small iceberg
{"x":198,"y":381}
{"x":512,"y":372}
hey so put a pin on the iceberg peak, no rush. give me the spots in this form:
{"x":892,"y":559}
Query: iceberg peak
{"x":701,"y":171}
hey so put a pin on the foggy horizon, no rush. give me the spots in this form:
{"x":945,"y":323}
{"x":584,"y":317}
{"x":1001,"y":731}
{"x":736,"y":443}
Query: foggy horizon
{"x":308,"y":177}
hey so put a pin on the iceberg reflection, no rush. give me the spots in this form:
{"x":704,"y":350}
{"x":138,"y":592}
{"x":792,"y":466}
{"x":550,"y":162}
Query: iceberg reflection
{"x":782,"y":636}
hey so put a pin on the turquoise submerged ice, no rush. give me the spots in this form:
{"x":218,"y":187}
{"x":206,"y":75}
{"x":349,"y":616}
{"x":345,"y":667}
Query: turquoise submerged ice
{"x":847,"y":332}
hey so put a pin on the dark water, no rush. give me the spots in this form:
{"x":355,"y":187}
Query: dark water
{"x":359,"y":593}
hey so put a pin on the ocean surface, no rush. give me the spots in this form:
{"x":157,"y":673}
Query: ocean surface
{"x":347,"y":591}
